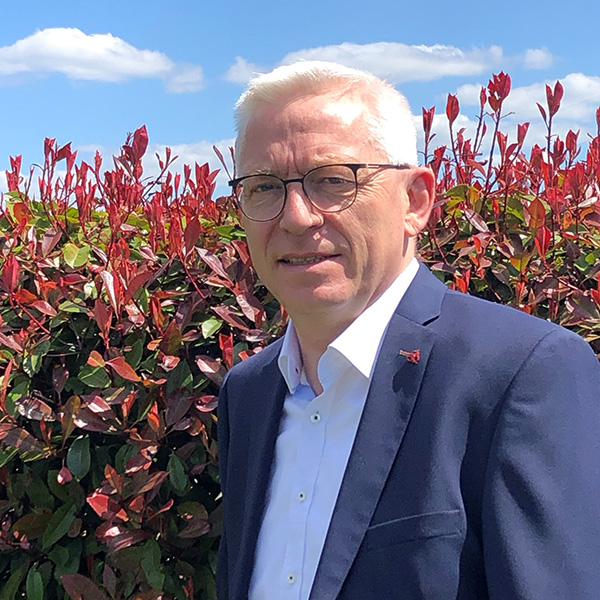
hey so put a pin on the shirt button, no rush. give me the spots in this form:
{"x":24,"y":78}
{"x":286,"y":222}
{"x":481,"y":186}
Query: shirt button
{"x":291,"y":578}
{"x":301,"y":496}
{"x":315,"y":417}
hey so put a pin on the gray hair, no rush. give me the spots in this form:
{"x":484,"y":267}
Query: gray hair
{"x":391,"y":122}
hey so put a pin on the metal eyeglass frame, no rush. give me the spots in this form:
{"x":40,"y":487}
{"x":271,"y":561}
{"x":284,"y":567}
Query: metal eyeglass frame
{"x":354,"y":167}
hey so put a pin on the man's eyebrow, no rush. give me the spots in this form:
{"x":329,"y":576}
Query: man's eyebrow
{"x":259,"y":172}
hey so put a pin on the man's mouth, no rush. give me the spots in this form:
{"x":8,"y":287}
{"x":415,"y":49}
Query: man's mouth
{"x":306,"y":260}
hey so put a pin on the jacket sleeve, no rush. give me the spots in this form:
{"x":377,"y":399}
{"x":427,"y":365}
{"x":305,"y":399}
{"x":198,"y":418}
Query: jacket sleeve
{"x":222,"y":578}
{"x":541,"y":499}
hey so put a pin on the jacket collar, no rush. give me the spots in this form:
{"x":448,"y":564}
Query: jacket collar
{"x":390,"y":401}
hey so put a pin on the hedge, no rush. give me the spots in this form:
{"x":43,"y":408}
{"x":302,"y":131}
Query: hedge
{"x":124,"y":299}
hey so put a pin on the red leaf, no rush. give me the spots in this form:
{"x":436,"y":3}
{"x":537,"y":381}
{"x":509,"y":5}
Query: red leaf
{"x":111,"y":284}
{"x":452,"y":108}
{"x":225,"y":312}
{"x":99,"y":406}
{"x":95,"y":359}
{"x":60,"y":375}
{"x":136,"y":283}
{"x":537,"y":214}
{"x":102,"y":504}
{"x":136,"y":505}
{"x":167,"y":362}
{"x":543,"y":238}
{"x":123,"y":368}
{"x":250,"y":306}
{"x":153,"y":481}
{"x":23,"y":296}
{"x":140,"y":142}
{"x":206,"y":403}
{"x":164,"y":508}
{"x":214,"y":370}
{"x":213,"y":262}
{"x":178,"y":404}
{"x":428,"y":119}
{"x":64,"y":476}
{"x":44,"y":308}
{"x":81,"y":588}
{"x":226,"y":345}
{"x":171,"y":340}
{"x":138,"y":462}
{"x":10,"y":273}
{"x":90,"y":421}
{"x":554,"y":97}
{"x":116,"y":537}
{"x":34,"y":409}
{"x":50,"y":239}
{"x":196,"y":527}
{"x":103,"y":317}
{"x":192,"y":234}
{"x":19,"y":438}
{"x":12,"y":342}
{"x":541,"y":109}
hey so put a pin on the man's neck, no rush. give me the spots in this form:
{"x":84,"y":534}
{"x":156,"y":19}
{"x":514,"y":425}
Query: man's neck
{"x":313,"y":338}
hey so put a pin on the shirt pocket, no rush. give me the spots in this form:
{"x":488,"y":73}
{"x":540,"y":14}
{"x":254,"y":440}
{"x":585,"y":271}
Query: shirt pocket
{"x":415,"y":527}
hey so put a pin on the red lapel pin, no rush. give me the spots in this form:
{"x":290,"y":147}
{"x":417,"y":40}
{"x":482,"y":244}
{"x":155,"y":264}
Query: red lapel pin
{"x":412,"y":357}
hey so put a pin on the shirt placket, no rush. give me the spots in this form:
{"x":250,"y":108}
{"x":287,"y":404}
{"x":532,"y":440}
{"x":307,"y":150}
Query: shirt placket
{"x":311,"y":442}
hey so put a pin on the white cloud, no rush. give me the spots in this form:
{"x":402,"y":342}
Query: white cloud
{"x":399,"y":63}
{"x":242,"y":71}
{"x":537,"y":58}
{"x":186,"y":78}
{"x":95,"y":57}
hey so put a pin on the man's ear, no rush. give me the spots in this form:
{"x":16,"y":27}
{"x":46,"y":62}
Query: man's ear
{"x":420,"y":188}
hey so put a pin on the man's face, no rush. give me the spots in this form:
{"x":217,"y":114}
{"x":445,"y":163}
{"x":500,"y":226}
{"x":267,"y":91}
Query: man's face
{"x":333,"y":264}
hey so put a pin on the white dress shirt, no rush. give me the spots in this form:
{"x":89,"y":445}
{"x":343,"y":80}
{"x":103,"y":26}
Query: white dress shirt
{"x":313,"y":446}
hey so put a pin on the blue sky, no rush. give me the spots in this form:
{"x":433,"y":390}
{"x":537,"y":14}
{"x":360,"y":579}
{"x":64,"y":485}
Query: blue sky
{"x":88,"y":73}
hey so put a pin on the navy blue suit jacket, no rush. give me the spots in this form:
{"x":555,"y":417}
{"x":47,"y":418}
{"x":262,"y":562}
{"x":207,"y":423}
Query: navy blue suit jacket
{"x":475,"y":472}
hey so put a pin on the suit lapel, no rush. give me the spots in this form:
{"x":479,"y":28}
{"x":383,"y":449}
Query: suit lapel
{"x":393,"y":392}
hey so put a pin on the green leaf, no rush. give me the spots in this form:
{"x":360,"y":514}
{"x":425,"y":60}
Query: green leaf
{"x":6,"y":455}
{"x":58,"y":526}
{"x":211,"y":326}
{"x":11,"y":587}
{"x":124,"y":453}
{"x":33,"y":361}
{"x":78,"y":457}
{"x":95,"y":377}
{"x":34,"y":585}
{"x":39,"y":495}
{"x":179,"y":377}
{"x":60,"y":491}
{"x":134,"y":356}
{"x":72,"y":307}
{"x":177,"y":475}
{"x":59,"y":556}
{"x":75,"y":257}
{"x":152,"y":566}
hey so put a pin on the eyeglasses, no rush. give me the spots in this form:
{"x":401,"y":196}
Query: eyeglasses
{"x":329,"y":188}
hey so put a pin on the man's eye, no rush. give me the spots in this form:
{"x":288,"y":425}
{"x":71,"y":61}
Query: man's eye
{"x":334,"y":181}
{"x":264,"y":188}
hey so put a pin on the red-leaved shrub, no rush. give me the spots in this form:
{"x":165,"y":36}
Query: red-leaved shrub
{"x":125,"y":299}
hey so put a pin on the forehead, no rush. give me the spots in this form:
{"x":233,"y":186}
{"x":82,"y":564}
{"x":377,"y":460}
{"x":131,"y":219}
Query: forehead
{"x":306,"y":131}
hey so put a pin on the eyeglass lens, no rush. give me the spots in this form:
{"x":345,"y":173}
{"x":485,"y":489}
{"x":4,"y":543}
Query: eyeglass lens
{"x":329,"y":188}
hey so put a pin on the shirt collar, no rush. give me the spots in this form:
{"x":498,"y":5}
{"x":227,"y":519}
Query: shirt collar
{"x":359,"y":343}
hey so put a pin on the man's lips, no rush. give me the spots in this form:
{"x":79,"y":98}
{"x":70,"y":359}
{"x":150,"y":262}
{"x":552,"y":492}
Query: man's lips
{"x":305,"y":259}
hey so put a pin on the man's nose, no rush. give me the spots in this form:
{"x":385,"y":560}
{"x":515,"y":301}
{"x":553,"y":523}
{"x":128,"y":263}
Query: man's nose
{"x":298,"y":213}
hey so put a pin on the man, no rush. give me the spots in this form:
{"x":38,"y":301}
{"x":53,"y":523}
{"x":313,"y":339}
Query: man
{"x":401,"y":441}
